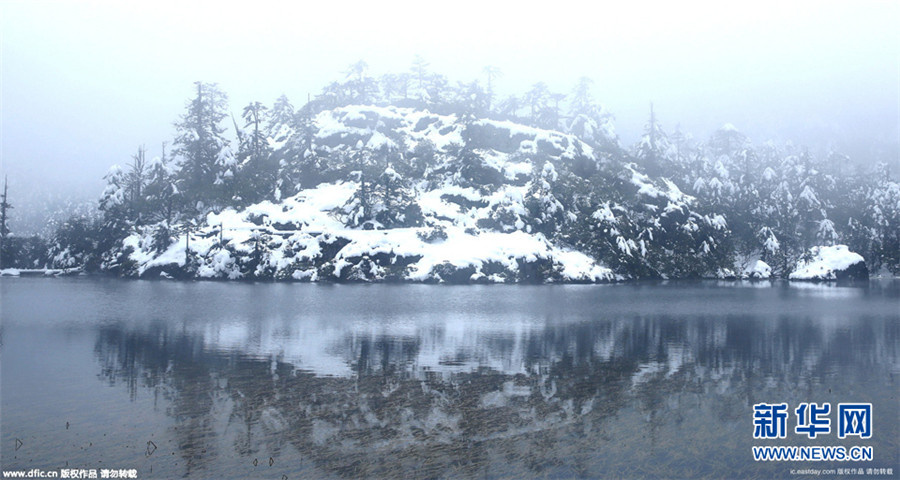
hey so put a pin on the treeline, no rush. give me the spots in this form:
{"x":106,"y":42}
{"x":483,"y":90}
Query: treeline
{"x":781,"y":200}
{"x":765,"y":202}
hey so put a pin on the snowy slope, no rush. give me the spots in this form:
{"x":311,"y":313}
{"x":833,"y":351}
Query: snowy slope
{"x":231,"y":242}
{"x":374,"y":126}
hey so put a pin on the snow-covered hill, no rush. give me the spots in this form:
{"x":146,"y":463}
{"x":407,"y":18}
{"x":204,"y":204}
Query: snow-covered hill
{"x":389,"y":193}
{"x":470,"y":226}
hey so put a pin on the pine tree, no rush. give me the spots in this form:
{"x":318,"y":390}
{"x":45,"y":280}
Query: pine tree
{"x":164,"y":199}
{"x":258,"y":170}
{"x":137,"y":177}
{"x":206,"y":161}
{"x":362,"y":89}
{"x":358,"y":211}
{"x":123,"y":201}
{"x":281,"y":135}
{"x":654,"y":152}
{"x":420,"y":77}
{"x":334,"y":95}
{"x":538,"y":99}
{"x":727,"y":141}
{"x":509,"y":107}
{"x":545,"y":210}
{"x":254,"y":115}
{"x":471,"y":102}
{"x":396,"y":200}
{"x":587,"y":120}
{"x":492,"y":73}
{"x":395,"y":87}
{"x":280,"y":119}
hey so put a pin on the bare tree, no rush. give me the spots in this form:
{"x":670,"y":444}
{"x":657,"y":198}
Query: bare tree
{"x":4,"y":206}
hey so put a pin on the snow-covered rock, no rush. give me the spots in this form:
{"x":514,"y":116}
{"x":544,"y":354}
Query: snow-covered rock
{"x":758,"y":270}
{"x":32,"y":272}
{"x":831,"y":263}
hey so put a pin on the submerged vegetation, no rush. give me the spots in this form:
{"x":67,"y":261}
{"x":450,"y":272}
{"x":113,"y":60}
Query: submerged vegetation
{"x":408,"y":177}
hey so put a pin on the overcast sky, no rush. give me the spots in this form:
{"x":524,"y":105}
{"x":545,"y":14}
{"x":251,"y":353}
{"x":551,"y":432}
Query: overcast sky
{"x":85,"y":83}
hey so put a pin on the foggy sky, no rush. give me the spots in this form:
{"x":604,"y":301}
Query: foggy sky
{"x":85,"y":83}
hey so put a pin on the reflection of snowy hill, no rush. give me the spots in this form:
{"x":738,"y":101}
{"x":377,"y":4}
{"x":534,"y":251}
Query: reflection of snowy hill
{"x":365,"y":377}
{"x":328,"y":343}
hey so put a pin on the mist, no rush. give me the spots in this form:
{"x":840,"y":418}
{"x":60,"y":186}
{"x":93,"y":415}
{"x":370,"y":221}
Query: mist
{"x":85,"y":84}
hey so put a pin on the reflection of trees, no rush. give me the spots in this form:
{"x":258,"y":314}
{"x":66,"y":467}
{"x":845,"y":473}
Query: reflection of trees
{"x":555,"y":416}
{"x":173,"y":365}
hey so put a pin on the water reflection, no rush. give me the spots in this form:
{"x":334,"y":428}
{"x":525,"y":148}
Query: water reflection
{"x":620,"y":391}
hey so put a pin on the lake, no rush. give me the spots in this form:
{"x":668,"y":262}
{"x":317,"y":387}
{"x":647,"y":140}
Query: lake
{"x":241,"y":380}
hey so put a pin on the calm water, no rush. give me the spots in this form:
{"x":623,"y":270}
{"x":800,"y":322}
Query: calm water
{"x":322,"y":381}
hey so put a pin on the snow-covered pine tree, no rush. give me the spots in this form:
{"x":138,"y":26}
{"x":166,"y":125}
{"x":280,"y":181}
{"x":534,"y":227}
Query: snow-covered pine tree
{"x":360,"y":209}
{"x":395,"y":88}
{"x":292,"y":137}
{"x":74,"y":245}
{"x":470,"y":102}
{"x":421,"y":88}
{"x":540,"y":102}
{"x":256,"y":176}
{"x":206,"y":162}
{"x":164,"y":200}
{"x":654,"y":152}
{"x":508,"y":108}
{"x":362,"y":89}
{"x":280,"y":132}
{"x":545,"y":211}
{"x":587,"y":120}
{"x":395,"y":200}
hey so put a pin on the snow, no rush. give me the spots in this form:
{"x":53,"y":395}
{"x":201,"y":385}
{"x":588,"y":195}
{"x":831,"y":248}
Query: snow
{"x":645,"y":186}
{"x":228,"y":235}
{"x":758,"y":269}
{"x":464,"y":250}
{"x":718,"y":222}
{"x":443,"y":131}
{"x":334,"y":123}
{"x":825,"y":262}
{"x":21,"y":272}
{"x":378,"y":141}
{"x":511,"y":170}
{"x":810,"y":197}
{"x":579,"y":267}
{"x":280,"y":137}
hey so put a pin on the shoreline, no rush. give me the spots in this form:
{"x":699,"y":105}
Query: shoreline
{"x":79,"y":272}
